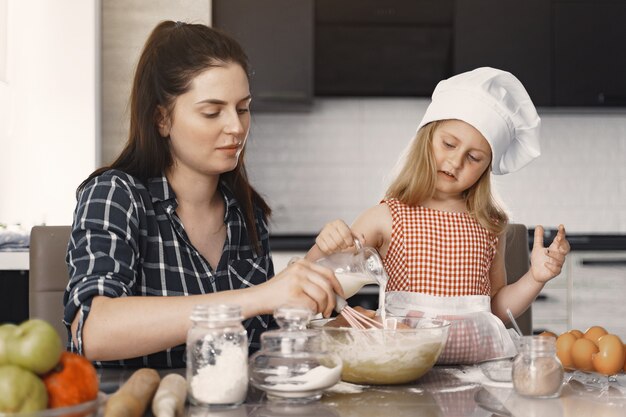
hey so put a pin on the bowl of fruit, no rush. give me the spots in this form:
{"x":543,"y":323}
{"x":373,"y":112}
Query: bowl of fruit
{"x":38,"y":378}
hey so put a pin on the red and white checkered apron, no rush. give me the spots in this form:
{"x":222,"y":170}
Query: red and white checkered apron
{"x":443,"y":254}
{"x":437,"y":252}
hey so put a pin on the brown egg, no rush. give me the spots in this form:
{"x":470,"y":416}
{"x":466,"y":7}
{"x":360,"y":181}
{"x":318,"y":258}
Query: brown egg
{"x":581,"y":353}
{"x":576,"y":333}
{"x":594,"y":333}
{"x":547,"y":334}
{"x":564,"y":349}
{"x":610,"y":357}
{"x":624,"y":369}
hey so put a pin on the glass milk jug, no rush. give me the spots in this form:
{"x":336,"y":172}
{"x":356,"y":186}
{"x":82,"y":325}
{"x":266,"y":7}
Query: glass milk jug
{"x":356,"y":269}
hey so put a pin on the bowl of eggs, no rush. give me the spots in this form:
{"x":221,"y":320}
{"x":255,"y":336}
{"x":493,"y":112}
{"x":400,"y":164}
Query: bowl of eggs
{"x":595,"y":350}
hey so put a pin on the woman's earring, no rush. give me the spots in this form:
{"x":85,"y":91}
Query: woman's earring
{"x":163,"y":131}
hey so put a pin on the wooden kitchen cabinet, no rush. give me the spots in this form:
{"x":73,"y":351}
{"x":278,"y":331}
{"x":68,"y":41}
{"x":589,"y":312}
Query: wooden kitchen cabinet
{"x":512,"y":35}
{"x":277,"y":36}
{"x":589,"y":53}
{"x":13,"y":296}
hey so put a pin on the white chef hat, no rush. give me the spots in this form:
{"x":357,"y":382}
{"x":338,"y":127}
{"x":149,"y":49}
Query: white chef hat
{"x":497,"y":105}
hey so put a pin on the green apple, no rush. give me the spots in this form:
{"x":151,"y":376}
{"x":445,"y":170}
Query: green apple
{"x":6,"y":330}
{"x":34,"y":346}
{"x":21,"y":391}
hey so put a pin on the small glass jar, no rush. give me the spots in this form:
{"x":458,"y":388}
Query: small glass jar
{"x":292,"y":365}
{"x":217,"y":356}
{"x":537,"y":371}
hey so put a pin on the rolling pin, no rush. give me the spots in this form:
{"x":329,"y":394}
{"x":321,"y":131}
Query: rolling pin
{"x":133,"y":397}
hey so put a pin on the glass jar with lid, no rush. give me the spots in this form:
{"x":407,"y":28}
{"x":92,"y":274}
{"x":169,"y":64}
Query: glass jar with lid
{"x":217,"y":356}
{"x":292,"y":364}
{"x":537,"y":371}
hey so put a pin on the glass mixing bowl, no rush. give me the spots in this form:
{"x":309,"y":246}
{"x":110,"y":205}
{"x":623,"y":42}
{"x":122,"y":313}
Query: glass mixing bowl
{"x":386,"y":356}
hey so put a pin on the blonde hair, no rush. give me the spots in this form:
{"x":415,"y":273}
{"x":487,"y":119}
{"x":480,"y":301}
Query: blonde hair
{"x":415,"y":183}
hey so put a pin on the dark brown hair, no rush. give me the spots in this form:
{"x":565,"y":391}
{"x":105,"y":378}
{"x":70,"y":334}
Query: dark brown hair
{"x":173,"y":55}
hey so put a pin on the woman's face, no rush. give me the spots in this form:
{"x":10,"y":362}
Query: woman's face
{"x":209,"y":123}
{"x":462,"y":155}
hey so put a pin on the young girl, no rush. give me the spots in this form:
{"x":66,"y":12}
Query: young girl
{"x":440,"y":230}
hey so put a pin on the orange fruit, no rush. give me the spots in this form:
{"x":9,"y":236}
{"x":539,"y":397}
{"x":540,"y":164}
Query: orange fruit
{"x":73,"y":381}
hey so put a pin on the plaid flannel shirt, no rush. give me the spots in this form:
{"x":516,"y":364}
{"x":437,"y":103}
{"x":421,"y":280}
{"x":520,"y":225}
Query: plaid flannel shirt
{"x":128,"y":241}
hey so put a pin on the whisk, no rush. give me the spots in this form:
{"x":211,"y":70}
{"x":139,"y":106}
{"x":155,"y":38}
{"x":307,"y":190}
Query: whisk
{"x":365,"y":262}
{"x":355,"y":319}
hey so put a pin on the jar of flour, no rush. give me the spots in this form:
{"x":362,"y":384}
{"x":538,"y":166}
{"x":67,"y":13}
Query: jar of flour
{"x":217,"y":356}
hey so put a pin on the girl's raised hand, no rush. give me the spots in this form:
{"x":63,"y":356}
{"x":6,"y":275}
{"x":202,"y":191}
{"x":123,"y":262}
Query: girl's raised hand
{"x":546,"y":263}
{"x":336,"y":236}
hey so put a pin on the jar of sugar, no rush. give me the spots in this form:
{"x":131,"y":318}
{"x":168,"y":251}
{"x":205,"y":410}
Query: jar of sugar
{"x":217,"y":356}
{"x":537,"y":371}
{"x":292,"y":365}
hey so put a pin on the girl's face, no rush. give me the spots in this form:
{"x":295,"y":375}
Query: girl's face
{"x":209,"y":123}
{"x":462,"y":155}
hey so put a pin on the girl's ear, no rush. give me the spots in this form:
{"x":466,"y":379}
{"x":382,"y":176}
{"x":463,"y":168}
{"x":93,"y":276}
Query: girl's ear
{"x":162,"y":120}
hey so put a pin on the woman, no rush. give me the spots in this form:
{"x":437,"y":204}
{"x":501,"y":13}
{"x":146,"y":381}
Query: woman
{"x":173,"y":222}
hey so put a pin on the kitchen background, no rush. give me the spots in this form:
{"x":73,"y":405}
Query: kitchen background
{"x":63,"y":112}
{"x":65,"y":73}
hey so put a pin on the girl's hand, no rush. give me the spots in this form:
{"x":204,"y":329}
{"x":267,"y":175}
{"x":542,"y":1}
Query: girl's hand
{"x":336,"y":236}
{"x":303,"y":283}
{"x":546,"y":263}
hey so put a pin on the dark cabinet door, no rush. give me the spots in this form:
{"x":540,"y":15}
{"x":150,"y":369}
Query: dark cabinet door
{"x":382,"y":48}
{"x":512,"y":35}
{"x":277,"y":36}
{"x":590,"y":53}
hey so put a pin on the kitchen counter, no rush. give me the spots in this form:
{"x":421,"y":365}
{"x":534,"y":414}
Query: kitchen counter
{"x":442,"y":392}
{"x":14,"y":260}
{"x":578,"y":241}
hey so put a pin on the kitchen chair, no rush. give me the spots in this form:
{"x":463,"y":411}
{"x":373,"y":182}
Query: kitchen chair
{"x":517,"y":262}
{"x":48,"y":275}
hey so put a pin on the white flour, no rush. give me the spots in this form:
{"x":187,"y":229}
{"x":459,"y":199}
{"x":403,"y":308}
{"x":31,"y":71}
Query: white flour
{"x":317,"y":378}
{"x":226,"y":382}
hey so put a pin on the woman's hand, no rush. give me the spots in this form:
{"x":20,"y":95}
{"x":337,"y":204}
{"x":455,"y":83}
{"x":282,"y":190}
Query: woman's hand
{"x":303,"y":283}
{"x":336,"y":236}
{"x":546,"y":263}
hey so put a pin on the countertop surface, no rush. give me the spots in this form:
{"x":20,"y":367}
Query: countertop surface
{"x":301,"y":243}
{"x":578,"y":241}
{"x":443,"y":391}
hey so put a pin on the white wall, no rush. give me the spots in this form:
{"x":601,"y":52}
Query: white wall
{"x":48,"y":108}
{"x":333,"y":163}
{"x":313,"y":167}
